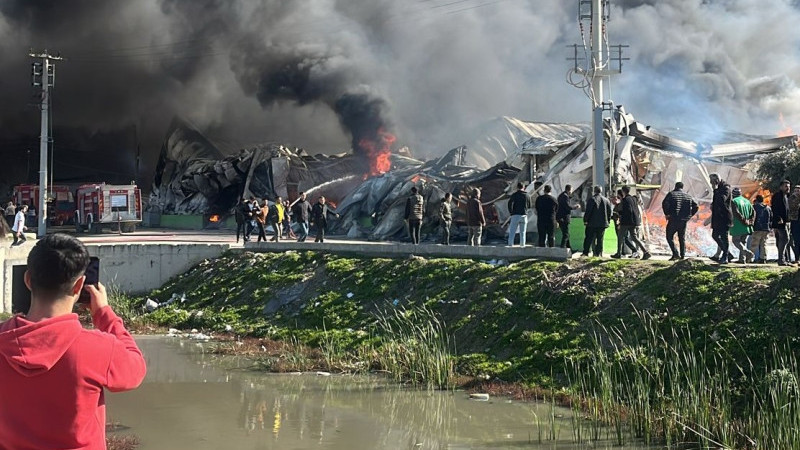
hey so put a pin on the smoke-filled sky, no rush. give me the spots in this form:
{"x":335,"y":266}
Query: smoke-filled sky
{"x":301,"y":72}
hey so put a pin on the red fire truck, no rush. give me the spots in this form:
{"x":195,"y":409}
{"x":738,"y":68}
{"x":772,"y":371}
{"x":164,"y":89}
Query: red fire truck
{"x":100,"y":205}
{"x":60,"y":201}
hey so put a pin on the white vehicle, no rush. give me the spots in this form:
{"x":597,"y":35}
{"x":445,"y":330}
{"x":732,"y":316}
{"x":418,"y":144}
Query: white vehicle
{"x":104,"y":205}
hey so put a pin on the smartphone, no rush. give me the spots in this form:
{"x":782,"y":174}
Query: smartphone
{"x":92,"y":278}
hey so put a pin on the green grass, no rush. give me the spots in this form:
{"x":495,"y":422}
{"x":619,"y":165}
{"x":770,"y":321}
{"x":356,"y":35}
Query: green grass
{"x":526,"y":322}
{"x":645,"y":383}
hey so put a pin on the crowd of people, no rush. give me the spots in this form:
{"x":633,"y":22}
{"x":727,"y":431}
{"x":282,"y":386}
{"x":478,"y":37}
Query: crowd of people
{"x":734,"y":219}
{"x":254,"y":216}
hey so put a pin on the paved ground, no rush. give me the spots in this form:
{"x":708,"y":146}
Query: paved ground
{"x":160,"y":235}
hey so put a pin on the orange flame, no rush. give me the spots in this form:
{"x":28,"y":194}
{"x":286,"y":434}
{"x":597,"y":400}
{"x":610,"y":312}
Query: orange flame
{"x":379,"y":152}
{"x":214,"y":218}
{"x":787,"y":129}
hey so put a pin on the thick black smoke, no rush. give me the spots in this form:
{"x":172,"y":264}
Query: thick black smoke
{"x":249,"y":71}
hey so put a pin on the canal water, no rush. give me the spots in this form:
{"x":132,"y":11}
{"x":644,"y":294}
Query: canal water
{"x":194,"y":400}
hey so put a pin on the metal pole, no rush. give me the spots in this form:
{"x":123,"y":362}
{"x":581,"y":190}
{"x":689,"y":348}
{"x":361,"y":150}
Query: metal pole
{"x":44,"y":138}
{"x":598,"y":159}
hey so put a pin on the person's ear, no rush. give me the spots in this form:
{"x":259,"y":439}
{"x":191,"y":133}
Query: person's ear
{"x":27,"y":279}
{"x":78,"y":286}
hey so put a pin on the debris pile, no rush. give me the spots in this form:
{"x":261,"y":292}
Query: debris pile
{"x":195,"y":177}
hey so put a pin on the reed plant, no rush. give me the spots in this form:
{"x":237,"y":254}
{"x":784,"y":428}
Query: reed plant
{"x":414,"y":347}
{"x":656,"y":383}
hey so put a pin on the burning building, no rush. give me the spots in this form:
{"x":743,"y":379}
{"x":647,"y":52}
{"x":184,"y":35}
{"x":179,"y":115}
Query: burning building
{"x":369,"y":186}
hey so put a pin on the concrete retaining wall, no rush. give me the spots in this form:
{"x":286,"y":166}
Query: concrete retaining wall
{"x":133,"y":268}
{"x":11,"y":257}
{"x":137,"y":268}
{"x":401,"y":250}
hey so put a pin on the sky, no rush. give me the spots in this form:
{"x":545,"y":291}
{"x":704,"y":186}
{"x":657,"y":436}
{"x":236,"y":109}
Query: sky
{"x":311,"y":73}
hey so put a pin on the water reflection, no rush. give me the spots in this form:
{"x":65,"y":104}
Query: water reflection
{"x":189,"y":401}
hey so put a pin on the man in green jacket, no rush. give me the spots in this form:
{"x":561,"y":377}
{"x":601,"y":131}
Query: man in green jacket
{"x":743,"y":218}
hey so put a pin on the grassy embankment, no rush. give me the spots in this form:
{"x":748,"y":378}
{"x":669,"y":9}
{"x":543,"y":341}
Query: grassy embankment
{"x":616,"y":333}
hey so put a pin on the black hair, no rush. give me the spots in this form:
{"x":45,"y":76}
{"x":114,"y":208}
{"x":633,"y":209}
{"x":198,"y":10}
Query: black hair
{"x":759,"y":198}
{"x":626,"y":189}
{"x":520,"y":185}
{"x":413,"y":189}
{"x":568,"y":187}
{"x":54,"y":264}
{"x":679,"y":185}
{"x":547,"y":188}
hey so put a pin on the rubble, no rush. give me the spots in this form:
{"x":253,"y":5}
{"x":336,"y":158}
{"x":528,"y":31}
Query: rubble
{"x":194,"y":177}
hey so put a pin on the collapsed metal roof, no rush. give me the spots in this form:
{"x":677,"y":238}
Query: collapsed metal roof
{"x":194,"y":177}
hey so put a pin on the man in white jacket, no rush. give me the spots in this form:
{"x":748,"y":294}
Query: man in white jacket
{"x":19,"y":226}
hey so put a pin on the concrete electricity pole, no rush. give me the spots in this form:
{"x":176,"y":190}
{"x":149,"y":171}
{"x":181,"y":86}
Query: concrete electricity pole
{"x":596,"y":58}
{"x":44,"y":75}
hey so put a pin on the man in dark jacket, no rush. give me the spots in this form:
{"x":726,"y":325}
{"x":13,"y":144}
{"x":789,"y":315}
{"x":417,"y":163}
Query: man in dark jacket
{"x":597,"y":217}
{"x":678,"y":208}
{"x":319,"y":217}
{"x":546,"y":207}
{"x":518,"y":205}
{"x":721,"y":216}
{"x":761,"y":229}
{"x":780,"y":220}
{"x":564,"y":215}
{"x":302,"y":211}
{"x":629,"y":219}
{"x":240,"y":212}
{"x":415,"y":210}
{"x":475,"y":219}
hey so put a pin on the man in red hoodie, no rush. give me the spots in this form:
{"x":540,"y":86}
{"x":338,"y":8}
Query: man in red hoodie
{"x":52,"y":370}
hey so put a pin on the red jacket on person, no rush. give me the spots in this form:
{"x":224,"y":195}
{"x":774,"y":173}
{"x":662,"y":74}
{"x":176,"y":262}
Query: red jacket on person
{"x":52,"y":376}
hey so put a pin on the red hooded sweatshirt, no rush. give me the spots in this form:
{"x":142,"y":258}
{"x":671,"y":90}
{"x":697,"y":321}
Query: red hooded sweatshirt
{"x":52,"y":375}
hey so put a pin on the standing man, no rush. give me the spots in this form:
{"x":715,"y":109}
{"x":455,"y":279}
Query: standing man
{"x":319,"y":216}
{"x":780,"y":220}
{"x":518,"y":205}
{"x":302,"y":212}
{"x":415,"y":209}
{"x":721,"y":216}
{"x":533,"y":220}
{"x":53,"y":371}
{"x":287,"y":220}
{"x":678,"y":208}
{"x":597,"y":217}
{"x":475,"y":219}
{"x":761,"y":229}
{"x":564,"y":215}
{"x":546,"y":207}
{"x":239,"y":214}
{"x":276,"y":218}
{"x":261,"y":220}
{"x":446,"y":217}
{"x":251,"y":216}
{"x":794,"y":224}
{"x":629,"y":219}
{"x":10,"y":212}
{"x":743,"y":217}
{"x":19,"y":226}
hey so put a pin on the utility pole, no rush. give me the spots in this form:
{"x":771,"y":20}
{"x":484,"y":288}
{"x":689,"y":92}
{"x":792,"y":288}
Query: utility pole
{"x":44,"y":75}
{"x":596,"y":61}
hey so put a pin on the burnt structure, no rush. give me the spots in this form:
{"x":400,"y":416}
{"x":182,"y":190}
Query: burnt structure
{"x":194,"y":177}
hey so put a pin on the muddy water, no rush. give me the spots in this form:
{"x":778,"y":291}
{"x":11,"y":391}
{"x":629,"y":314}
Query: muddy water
{"x":193,"y":400}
